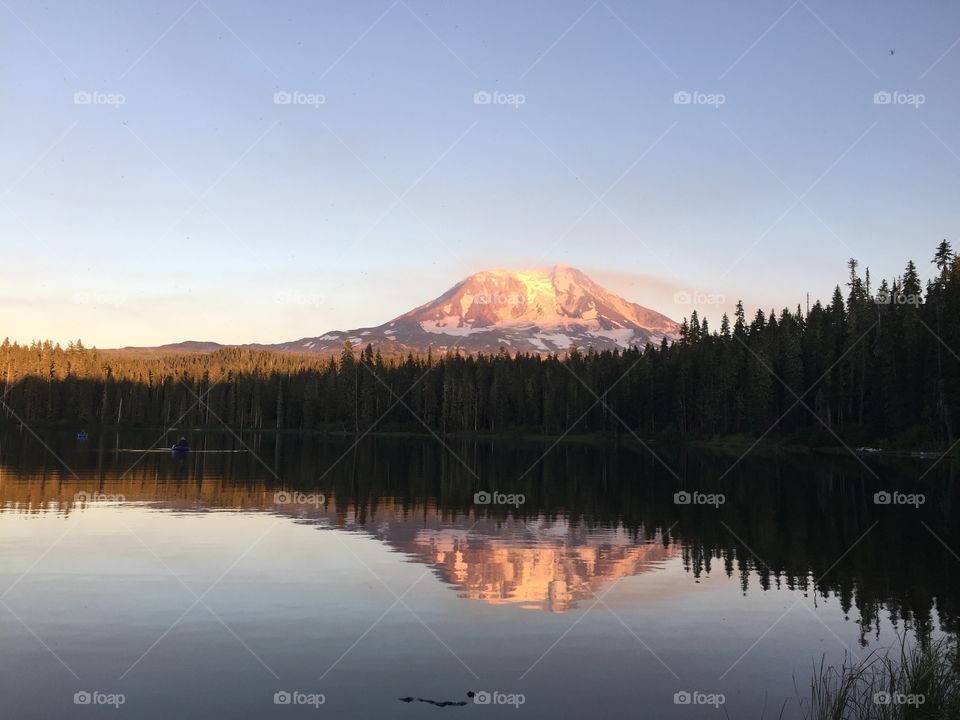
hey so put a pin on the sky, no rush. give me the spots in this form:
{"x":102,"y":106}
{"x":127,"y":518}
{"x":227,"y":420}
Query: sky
{"x":265,"y":171}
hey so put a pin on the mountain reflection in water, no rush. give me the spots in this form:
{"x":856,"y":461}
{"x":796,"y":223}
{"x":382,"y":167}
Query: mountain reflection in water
{"x":591,"y":516}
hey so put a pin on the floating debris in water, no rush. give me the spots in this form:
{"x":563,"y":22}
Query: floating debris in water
{"x":438,"y":703}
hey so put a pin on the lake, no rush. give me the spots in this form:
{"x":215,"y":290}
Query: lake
{"x":311,"y":577}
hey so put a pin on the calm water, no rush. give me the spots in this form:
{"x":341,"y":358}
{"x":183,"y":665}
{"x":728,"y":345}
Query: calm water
{"x":200,"y":586}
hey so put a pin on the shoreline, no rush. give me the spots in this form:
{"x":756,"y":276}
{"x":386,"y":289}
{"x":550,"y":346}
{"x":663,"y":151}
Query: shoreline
{"x":605,"y":440}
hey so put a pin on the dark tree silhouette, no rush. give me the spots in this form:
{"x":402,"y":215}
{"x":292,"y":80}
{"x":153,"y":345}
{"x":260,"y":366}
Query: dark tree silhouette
{"x":865,"y":367}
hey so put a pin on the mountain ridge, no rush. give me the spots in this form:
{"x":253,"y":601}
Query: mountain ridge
{"x":539,"y":311}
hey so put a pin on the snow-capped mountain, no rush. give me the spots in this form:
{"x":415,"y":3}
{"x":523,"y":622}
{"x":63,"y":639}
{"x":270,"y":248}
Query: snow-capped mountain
{"x":539,"y":311}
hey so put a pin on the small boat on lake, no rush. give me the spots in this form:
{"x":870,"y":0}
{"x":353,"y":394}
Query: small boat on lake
{"x":180,"y":446}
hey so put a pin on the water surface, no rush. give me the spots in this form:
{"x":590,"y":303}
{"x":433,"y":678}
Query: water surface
{"x":201,"y":585}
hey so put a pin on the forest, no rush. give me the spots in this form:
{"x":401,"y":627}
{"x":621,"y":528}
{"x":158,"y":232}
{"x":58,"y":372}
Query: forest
{"x":877,"y":363}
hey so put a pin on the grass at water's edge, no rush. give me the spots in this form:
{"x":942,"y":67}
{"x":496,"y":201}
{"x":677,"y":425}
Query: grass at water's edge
{"x":904,"y":683}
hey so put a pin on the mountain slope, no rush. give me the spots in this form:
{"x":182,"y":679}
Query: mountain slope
{"x":539,"y":311}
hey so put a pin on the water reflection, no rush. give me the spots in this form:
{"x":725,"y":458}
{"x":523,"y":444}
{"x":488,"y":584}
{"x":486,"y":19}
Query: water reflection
{"x":535,"y":563}
{"x":591,"y":517}
{"x":555,"y":574}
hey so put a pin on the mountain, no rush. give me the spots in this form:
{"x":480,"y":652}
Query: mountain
{"x":537,"y":311}
{"x":534,"y":311}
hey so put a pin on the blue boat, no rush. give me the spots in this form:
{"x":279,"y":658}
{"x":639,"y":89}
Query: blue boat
{"x":180,"y":446}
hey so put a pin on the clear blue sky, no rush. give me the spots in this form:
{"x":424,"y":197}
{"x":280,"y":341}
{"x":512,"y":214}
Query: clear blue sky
{"x":200,"y":208}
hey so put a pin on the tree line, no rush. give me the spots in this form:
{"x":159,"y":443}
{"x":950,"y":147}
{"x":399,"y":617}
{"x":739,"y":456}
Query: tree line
{"x":873,"y":363}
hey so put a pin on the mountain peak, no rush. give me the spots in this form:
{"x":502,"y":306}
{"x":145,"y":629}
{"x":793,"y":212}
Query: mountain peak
{"x":538,"y":310}
{"x":534,"y":310}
